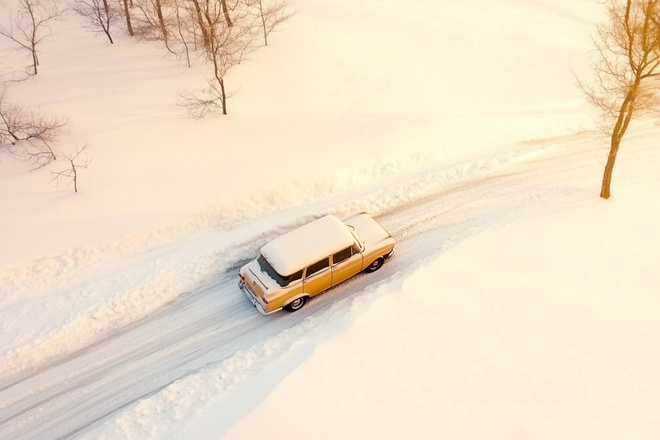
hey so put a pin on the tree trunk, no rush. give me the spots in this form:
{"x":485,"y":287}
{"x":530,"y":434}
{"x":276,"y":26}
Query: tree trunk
{"x":35,"y":60}
{"x":226,"y":12}
{"x":179,"y":31}
{"x":33,"y":34}
{"x":221,"y":82}
{"x":106,"y":28}
{"x":224,"y":97}
{"x":263,"y":23}
{"x":609,"y":167}
{"x":202,"y":25}
{"x":623,"y":121}
{"x":75,"y":176}
{"x":161,"y":20}
{"x":127,"y":13}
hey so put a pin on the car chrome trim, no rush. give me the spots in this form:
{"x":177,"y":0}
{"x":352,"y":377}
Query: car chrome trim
{"x":254,"y":299}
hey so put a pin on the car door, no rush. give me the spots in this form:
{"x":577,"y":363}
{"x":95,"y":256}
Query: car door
{"x":345,"y":264}
{"x":318,"y":277}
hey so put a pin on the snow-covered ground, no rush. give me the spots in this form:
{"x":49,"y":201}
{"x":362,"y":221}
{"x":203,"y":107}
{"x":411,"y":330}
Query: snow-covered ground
{"x":563,"y":344}
{"x":519,"y":304}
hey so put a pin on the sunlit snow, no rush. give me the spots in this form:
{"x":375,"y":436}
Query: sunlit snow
{"x":519,"y":305}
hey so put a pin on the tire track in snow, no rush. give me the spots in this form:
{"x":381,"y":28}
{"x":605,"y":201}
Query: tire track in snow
{"x":210,"y":327}
{"x":99,"y":290}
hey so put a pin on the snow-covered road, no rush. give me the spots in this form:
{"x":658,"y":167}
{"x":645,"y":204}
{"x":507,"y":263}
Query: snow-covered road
{"x":74,"y":389}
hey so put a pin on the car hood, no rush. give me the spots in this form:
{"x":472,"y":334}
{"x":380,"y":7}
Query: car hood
{"x":369,"y":231}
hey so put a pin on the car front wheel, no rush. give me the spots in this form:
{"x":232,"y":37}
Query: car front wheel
{"x":377,"y":264}
{"x":296,"y":304}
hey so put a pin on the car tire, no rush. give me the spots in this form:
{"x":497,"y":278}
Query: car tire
{"x":377,"y":264}
{"x":296,"y":304}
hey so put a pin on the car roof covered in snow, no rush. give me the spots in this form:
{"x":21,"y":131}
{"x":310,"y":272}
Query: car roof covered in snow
{"x":308,"y":244}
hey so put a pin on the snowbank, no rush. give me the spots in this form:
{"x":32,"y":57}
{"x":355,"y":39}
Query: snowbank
{"x":545,"y":328}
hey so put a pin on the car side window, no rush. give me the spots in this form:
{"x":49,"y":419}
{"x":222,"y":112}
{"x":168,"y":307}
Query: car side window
{"x":312,"y":269}
{"x":342,"y":255}
{"x":296,"y":276}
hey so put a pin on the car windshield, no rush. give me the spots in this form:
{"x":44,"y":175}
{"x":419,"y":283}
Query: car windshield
{"x":356,"y":236}
{"x":283,"y":281}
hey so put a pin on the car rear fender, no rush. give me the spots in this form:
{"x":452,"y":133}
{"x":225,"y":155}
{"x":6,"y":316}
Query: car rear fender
{"x":293,"y":298}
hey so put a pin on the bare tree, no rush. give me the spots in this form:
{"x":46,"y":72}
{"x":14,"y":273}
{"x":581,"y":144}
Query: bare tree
{"x":184,"y":27}
{"x":29,"y":26}
{"x":271,"y":14}
{"x":154,"y":20}
{"x":100,"y":15}
{"x":70,"y":173}
{"x":627,"y":57}
{"x":223,"y":47}
{"x":207,"y":101}
{"x":158,"y":8}
{"x":28,"y":135}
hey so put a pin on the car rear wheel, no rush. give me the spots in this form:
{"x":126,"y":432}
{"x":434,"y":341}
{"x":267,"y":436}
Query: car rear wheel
{"x":296,"y":304}
{"x":377,"y":264}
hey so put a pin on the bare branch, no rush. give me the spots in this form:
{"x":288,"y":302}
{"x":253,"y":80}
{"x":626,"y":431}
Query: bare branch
{"x":100,"y":15}
{"x":29,"y":26}
{"x":208,"y":101}
{"x":271,"y":14}
{"x":70,"y":173}
{"x":28,"y":135}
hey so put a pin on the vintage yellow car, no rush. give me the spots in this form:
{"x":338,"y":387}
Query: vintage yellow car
{"x":306,"y":261}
